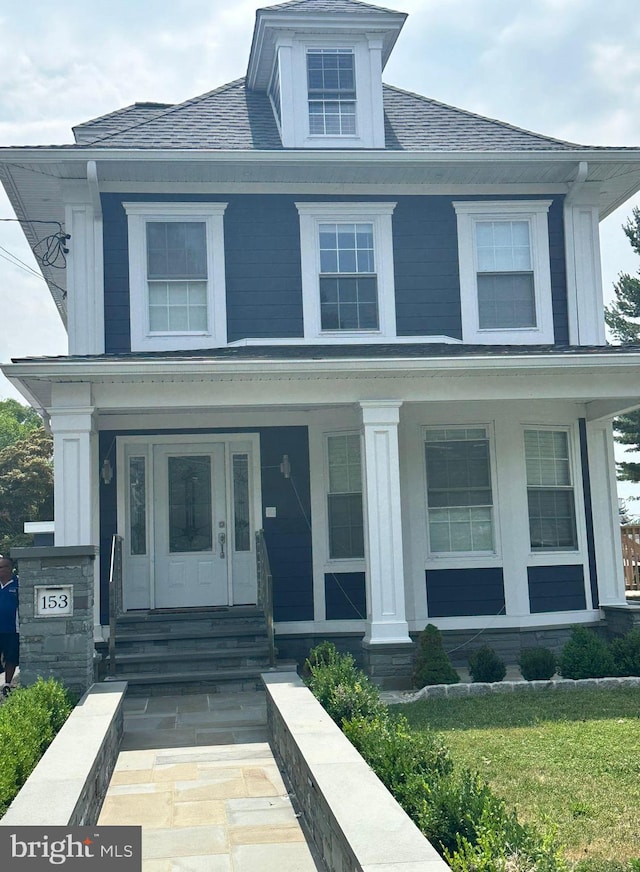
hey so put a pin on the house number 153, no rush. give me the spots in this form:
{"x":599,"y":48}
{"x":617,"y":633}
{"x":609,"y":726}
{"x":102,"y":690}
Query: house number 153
{"x":53,"y":601}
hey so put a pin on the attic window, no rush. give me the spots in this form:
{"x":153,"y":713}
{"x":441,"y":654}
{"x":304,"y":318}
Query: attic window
{"x":331,"y":83}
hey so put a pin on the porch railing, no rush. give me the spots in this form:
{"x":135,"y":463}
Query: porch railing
{"x":265,"y":591}
{"x":115,"y":597}
{"x":631,"y":555}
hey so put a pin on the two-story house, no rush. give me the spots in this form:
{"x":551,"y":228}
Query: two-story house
{"x":360,"y":320}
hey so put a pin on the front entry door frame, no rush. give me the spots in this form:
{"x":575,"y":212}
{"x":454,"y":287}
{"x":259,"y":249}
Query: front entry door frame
{"x":136,"y":462}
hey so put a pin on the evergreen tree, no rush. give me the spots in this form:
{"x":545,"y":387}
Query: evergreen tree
{"x":623,"y":320}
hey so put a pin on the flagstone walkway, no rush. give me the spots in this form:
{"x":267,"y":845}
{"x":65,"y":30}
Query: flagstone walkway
{"x":197,"y":772}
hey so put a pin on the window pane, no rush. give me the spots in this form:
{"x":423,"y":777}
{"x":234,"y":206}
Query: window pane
{"x":506,"y":300}
{"x":348,"y":303}
{"x":550,"y":496}
{"x":459,"y":493}
{"x":137,"y":506}
{"x":344,"y":500}
{"x":176,"y":249}
{"x":241,"y":519}
{"x":190,"y":527}
{"x":331,"y":87}
{"x":178,"y":306}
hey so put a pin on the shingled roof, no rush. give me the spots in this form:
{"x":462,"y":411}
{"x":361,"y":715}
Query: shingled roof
{"x":337,"y":6}
{"x":234,"y":118}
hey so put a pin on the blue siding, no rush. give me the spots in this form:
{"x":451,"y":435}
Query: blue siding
{"x":556,"y":588}
{"x":588,"y":514}
{"x":263,"y":272}
{"x":464,"y":592}
{"x":345,"y":595}
{"x":288,"y":536}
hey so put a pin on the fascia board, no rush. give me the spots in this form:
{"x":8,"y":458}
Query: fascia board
{"x":83,"y":370}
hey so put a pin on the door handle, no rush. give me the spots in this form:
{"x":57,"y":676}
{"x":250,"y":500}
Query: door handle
{"x":222,"y":538}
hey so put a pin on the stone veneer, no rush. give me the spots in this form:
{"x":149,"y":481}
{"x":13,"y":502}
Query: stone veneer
{"x":69,"y":784}
{"x":57,"y":646}
{"x":354,"y":821}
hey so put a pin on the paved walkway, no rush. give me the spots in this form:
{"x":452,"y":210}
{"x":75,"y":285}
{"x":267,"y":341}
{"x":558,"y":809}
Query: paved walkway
{"x":196,"y":771}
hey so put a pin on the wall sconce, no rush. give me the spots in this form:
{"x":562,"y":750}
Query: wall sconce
{"x":106,"y":471}
{"x":285,"y":466}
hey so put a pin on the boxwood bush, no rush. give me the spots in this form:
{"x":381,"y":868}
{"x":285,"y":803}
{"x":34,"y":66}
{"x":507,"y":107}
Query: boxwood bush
{"x":455,"y":809}
{"x":626,"y":654}
{"x":585,"y":655}
{"x":537,"y":664}
{"x":29,"y":720}
{"x":485,"y":665}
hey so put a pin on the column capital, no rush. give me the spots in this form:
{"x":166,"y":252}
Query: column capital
{"x":386,"y":412}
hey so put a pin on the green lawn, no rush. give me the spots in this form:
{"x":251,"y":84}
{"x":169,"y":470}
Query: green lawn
{"x":569,"y":760}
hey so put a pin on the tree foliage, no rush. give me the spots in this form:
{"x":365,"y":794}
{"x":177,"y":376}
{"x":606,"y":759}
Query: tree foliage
{"x":623,"y":320}
{"x":26,"y":486}
{"x":16,"y":421}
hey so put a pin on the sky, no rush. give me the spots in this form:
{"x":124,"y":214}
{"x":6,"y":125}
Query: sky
{"x":565,"y":68}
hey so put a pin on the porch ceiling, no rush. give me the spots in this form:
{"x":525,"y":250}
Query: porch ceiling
{"x":605,"y":380}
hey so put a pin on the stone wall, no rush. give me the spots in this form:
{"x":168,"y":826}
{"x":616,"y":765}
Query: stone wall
{"x":354,"y":821}
{"x":69,"y":784}
{"x":57,"y":645}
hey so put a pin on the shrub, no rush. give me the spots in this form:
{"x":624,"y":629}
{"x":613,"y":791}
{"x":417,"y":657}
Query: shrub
{"x":453,"y":807}
{"x":29,"y":720}
{"x":432,"y":663}
{"x":485,"y":665}
{"x":342,"y":689}
{"x":585,"y":656}
{"x":626,"y":654}
{"x":537,"y":664}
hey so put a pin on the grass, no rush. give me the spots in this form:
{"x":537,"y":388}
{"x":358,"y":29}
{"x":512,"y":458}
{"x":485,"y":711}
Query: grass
{"x":565,"y":760}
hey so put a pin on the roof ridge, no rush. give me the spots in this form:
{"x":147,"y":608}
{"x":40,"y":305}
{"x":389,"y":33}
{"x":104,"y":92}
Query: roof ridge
{"x":175,"y":107}
{"x":292,"y":4}
{"x":498,"y":121}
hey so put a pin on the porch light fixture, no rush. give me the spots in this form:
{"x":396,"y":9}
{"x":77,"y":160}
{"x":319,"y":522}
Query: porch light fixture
{"x":106,"y":471}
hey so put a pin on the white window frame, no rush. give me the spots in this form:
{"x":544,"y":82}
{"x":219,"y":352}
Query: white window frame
{"x":544,"y":555}
{"x":462,"y":558}
{"x":535,"y":213}
{"x":377,"y":214}
{"x":212,"y":215}
{"x":292,"y":51}
{"x":337,"y":50}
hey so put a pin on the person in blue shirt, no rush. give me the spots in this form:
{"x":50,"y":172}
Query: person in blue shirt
{"x":9,"y":638}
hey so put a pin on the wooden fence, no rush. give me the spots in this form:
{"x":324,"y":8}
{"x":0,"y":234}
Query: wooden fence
{"x":631,"y":555}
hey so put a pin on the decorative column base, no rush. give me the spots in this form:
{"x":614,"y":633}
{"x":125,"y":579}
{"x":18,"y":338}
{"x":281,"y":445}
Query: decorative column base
{"x":390,"y":665}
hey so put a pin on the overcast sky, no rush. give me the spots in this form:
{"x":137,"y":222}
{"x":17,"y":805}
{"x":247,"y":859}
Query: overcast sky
{"x":566,"y":68}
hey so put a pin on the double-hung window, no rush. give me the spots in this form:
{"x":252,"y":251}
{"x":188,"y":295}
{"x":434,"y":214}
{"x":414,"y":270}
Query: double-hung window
{"x":344,"y":497}
{"x":176,"y":269}
{"x":459,"y":491}
{"x":331,"y":87}
{"x":505,"y":278}
{"x":550,"y":494}
{"x":347,"y":270}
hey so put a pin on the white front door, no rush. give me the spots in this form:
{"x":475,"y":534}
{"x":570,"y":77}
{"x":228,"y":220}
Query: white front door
{"x":190,"y":519}
{"x":189,"y":511}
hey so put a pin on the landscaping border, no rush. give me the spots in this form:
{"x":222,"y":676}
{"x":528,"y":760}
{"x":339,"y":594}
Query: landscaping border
{"x":479,"y":688}
{"x":354,"y":821}
{"x":68,"y":786}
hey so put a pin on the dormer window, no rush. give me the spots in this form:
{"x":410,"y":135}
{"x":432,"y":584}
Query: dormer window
{"x":331,"y":83}
{"x":321,"y":65}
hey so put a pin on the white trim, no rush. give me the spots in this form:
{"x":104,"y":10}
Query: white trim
{"x":535,"y":212}
{"x":369,"y":120}
{"x":379,"y":215}
{"x":584,"y":275}
{"x":212,"y":214}
{"x":368,"y":340}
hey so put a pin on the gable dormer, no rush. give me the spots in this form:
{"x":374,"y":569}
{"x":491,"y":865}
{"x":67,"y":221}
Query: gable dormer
{"x":321,"y":62}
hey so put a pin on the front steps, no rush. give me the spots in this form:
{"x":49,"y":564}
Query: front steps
{"x":191,"y":650}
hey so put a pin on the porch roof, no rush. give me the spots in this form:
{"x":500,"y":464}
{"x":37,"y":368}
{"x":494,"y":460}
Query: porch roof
{"x":605,"y":379}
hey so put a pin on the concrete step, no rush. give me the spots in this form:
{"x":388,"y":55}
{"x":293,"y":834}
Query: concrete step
{"x":209,"y":681}
{"x":191,"y":661}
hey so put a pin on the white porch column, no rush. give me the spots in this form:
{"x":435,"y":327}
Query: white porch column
{"x":386,"y":620}
{"x":75,"y":466}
